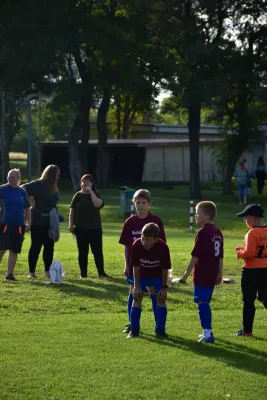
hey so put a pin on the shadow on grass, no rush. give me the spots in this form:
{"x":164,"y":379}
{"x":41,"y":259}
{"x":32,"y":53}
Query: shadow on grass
{"x":236,"y":355}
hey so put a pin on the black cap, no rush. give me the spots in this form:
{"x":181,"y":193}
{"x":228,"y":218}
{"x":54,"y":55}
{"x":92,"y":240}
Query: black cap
{"x":255,"y":210}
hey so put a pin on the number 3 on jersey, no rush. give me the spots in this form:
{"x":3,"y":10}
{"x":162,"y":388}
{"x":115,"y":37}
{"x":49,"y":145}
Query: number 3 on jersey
{"x":217,"y":248}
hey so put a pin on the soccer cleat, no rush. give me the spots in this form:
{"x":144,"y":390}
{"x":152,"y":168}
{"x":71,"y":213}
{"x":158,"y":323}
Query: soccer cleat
{"x":162,"y":335}
{"x":243,"y":333}
{"x":133,"y":334}
{"x":10,"y":277}
{"x":127,"y":329}
{"x":206,"y":339}
{"x":32,"y":275}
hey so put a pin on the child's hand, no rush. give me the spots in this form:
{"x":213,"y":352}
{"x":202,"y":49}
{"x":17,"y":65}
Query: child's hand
{"x":126,"y":272}
{"x":219,"y":279}
{"x":239,"y":248}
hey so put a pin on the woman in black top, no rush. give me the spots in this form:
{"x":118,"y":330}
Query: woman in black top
{"x":44,"y":192}
{"x":85,"y":223}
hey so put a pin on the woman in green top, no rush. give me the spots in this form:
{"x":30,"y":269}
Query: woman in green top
{"x":85,"y":223}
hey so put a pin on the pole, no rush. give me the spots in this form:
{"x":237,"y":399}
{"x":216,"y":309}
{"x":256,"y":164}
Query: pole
{"x":3,"y":138}
{"x":191,"y":217}
{"x":29,"y":140}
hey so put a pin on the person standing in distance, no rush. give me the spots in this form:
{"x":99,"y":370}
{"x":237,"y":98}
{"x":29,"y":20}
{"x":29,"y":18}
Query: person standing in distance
{"x":14,"y":207}
{"x":44,"y":192}
{"x":85,"y":223}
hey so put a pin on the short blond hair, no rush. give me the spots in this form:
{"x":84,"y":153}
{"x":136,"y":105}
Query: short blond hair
{"x":209,"y":208}
{"x":142,"y":193}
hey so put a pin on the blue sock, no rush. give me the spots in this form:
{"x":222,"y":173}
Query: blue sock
{"x":161,"y":319}
{"x":154,"y":306}
{"x":135,"y":319}
{"x":130,"y":302}
{"x":205,"y":315}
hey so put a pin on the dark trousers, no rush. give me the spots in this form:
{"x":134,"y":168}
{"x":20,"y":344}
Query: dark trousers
{"x":253,"y":285}
{"x":92,"y":237}
{"x":39,"y":238}
{"x":260,"y":184}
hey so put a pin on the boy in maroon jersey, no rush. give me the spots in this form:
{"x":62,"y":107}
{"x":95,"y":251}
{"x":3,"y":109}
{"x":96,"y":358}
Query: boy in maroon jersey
{"x":207,"y":264}
{"x":150,"y":258}
{"x":130,"y":232}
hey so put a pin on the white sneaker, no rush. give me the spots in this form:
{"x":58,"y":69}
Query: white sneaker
{"x":207,"y":339}
{"x":32,"y":275}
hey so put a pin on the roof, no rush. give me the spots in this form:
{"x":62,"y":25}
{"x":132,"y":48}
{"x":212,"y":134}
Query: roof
{"x":139,"y":142}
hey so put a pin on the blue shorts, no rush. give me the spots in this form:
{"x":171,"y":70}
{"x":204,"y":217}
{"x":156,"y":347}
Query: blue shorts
{"x":130,"y":279}
{"x":146,"y":282}
{"x":202,"y":294}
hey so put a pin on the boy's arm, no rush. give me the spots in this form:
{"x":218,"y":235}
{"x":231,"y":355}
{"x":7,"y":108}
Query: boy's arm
{"x":189,"y":269}
{"x":127,"y":255}
{"x":250,"y":248}
{"x":136,"y":290}
{"x":219,"y":276}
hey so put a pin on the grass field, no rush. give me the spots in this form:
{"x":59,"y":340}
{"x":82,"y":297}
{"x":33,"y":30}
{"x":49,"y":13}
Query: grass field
{"x":66,"y":342}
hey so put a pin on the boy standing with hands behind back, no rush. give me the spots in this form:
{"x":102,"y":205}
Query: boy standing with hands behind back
{"x":207,"y":263}
{"x":254,"y":273}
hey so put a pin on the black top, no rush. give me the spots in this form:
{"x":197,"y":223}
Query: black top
{"x":44,"y":202}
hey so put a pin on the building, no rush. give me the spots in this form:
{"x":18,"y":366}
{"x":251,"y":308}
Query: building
{"x":155,"y":153}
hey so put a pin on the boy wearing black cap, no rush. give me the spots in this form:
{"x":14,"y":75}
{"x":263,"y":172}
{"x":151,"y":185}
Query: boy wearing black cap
{"x":254,"y":273}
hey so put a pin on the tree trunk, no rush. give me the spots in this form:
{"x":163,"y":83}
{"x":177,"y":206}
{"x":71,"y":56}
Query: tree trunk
{"x":102,"y":128}
{"x":78,"y":155}
{"x":194,"y":113}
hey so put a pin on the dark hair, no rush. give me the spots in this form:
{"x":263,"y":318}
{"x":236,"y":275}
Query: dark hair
{"x":151,"y":230}
{"x":91,"y":178}
{"x":260,"y":161}
{"x":49,"y":176}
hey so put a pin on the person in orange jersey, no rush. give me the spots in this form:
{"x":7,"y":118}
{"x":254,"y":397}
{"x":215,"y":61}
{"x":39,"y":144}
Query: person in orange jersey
{"x":254,"y":273}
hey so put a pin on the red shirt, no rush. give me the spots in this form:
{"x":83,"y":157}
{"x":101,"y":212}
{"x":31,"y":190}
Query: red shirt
{"x":133,"y":226}
{"x":152,"y":261}
{"x":208,"y":249}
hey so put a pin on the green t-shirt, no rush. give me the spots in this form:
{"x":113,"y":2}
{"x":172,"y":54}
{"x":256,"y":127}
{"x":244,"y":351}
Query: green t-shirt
{"x":87,"y":216}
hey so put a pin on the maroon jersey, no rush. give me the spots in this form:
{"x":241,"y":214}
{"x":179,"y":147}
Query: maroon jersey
{"x":152,"y":261}
{"x":208,"y":249}
{"x":132,"y":228}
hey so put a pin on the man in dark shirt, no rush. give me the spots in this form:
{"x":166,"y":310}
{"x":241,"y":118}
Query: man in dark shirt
{"x":150,"y":258}
{"x":207,"y":264}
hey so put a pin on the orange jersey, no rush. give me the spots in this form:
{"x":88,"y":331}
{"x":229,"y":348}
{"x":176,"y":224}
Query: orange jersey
{"x":254,"y":252}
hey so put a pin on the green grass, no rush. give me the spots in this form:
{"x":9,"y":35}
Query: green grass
{"x":66,"y":341}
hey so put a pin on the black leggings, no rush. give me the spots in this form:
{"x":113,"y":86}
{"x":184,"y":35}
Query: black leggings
{"x":253,"y":285}
{"x":92,"y":237}
{"x":39,"y":238}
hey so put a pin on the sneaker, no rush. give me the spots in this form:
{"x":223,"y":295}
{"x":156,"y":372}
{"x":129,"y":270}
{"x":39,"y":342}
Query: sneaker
{"x":10,"y":277}
{"x":47,"y":273}
{"x":243,"y":333}
{"x":104,"y":275}
{"x":162,"y":335}
{"x":133,"y":334}
{"x":127,"y":329}
{"x":32,"y":275}
{"x":206,"y":339}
